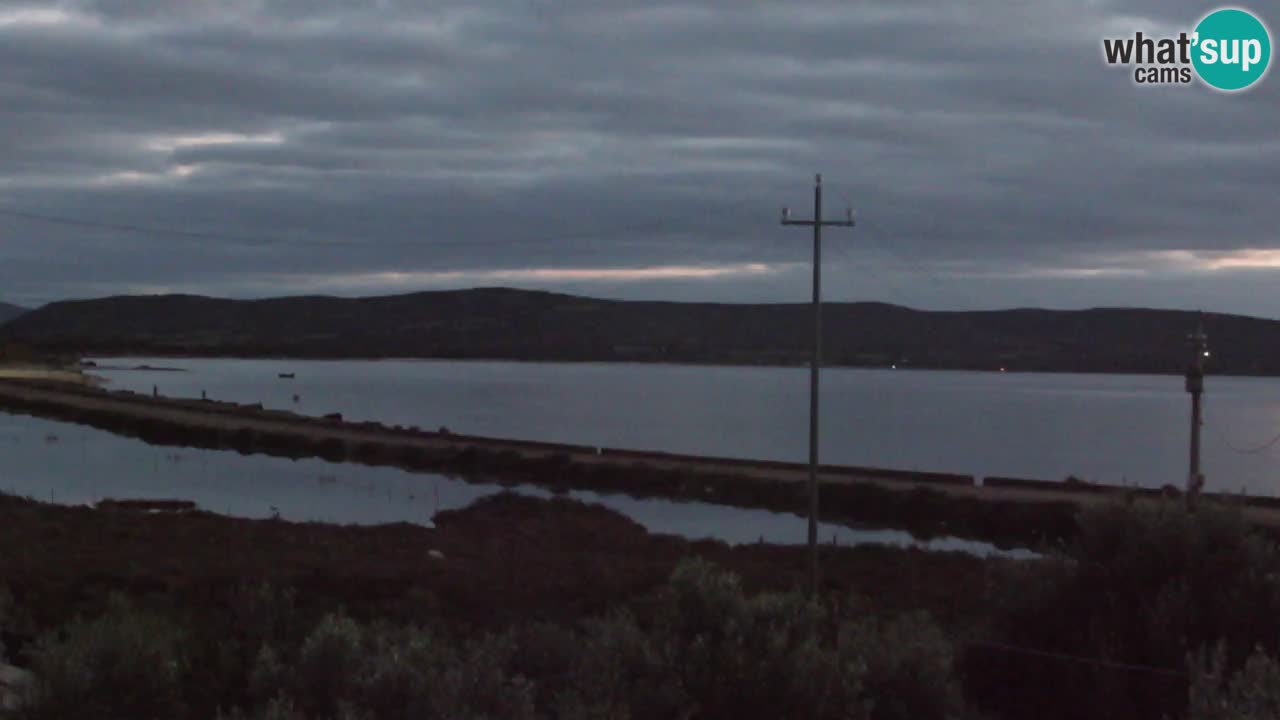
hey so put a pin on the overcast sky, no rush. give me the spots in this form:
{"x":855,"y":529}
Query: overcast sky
{"x":638,"y":149}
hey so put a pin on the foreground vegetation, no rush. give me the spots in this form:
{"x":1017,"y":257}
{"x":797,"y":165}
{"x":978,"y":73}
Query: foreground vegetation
{"x":706,"y":650}
{"x":1150,"y":612}
{"x":1148,"y":604}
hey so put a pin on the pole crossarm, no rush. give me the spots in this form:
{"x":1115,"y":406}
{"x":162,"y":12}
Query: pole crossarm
{"x":824,"y":223}
{"x":787,"y":220}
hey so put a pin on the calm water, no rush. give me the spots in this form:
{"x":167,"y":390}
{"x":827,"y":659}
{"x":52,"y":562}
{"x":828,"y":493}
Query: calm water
{"x":71,"y":464}
{"x":1115,"y":428}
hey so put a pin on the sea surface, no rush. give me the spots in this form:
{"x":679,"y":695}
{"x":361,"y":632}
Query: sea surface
{"x":1122,"y":429}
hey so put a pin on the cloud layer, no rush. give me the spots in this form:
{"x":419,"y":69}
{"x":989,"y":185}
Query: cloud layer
{"x":627,"y":149}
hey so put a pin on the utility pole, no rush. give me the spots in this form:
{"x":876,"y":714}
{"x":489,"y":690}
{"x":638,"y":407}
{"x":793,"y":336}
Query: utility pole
{"x":817,"y":223}
{"x":1195,"y":385}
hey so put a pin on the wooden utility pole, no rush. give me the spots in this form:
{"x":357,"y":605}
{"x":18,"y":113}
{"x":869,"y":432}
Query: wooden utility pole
{"x":1195,"y":385}
{"x":815,"y":362}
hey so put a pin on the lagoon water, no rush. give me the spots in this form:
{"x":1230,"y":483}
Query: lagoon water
{"x":1108,"y":428}
{"x":71,"y":464}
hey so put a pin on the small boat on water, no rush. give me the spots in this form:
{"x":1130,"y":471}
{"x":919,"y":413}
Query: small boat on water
{"x":287,"y":376}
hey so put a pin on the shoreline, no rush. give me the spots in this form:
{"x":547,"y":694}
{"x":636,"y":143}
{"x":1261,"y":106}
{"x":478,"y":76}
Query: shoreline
{"x":646,"y":363}
{"x":46,"y":374}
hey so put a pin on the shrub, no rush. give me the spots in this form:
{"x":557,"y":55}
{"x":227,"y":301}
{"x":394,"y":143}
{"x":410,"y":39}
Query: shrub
{"x":908,"y":665}
{"x":263,"y":615}
{"x":1169,"y":582}
{"x":550,"y":654}
{"x":763,"y":656}
{"x":707,"y":650}
{"x":324,"y":675}
{"x":123,"y":664}
{"x":1253,"y":693}
{"x":618,"y":672}
{"x":6,"y":609}
{"x":714,"y":652}
{"x":475,"y":683}
{"x":280,"y":708}
{"x":395,"y":677}
{"x":1145,"y":584}
{"x":346,"y":671}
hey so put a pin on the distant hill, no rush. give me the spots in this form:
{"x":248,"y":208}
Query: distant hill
{"x":518,"y":324}
{"x":9,"y":312}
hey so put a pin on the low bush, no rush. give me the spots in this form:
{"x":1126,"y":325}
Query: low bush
{"x":908,"y":665}
{"x":1252,"y":693}
{"x":619,"y":671}
{"x":123,"y":664}
{"x":734,"y":655}
{"x":6,"y":609}
{"x":1143,"y":585}
{"x":704,"y":649}
{"x":346,"y":670}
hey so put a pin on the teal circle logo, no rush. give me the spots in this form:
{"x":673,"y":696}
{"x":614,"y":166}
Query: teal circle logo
{"x":1232,"y":49}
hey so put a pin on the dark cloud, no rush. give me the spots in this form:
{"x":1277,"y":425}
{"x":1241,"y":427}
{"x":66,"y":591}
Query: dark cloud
{"x":358,"y":147}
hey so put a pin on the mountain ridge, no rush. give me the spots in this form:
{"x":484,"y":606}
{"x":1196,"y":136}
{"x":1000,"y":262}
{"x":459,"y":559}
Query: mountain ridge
{"x":9,"y":312}
{"x":506,"y":323}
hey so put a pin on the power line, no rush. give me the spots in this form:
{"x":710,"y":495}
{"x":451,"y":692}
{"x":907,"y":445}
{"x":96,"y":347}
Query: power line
{"x":1082,"y":659}
{"x":663,"y":226}
{"x":121,"y":227}
{"x":882,"y":239}
{"x":1245,"y":451}
{"x":1222,"y":437}
{"x":186,"y":234}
